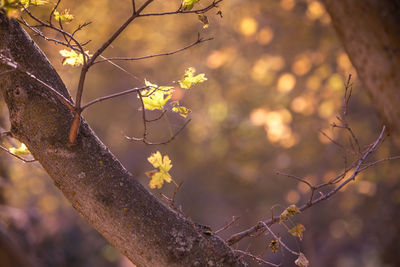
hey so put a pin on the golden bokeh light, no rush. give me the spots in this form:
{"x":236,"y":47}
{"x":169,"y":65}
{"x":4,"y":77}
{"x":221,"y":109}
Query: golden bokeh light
{"x":287,"y":4}
{"x":286,"y":82}
{"x":326,"y":109}
{"x":303,"y":104}
{"x":313,"y":82}
{"x":292,"y":197}
{"x":276,"y":125}
{"x":265,"y":36}
{"x":248,"y":26}
{"x":302,"y":65}
{"x":218,"y":58}
{"x":315,"y":10}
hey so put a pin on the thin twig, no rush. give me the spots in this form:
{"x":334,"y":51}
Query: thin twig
{"x":198,"y":41}
{"x":226,"y":226}
{"x":144,"y":140}
{"x":358,"y":168}
{"x":103,"y":98}
{"x":259,"y":260}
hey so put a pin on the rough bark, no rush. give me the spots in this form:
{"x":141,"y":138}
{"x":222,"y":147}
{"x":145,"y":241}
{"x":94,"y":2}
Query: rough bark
{"x":370,"y":33}
{"x":90,"y":177}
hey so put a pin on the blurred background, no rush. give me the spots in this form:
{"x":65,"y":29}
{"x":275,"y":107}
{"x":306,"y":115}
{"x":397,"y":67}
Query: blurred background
{"x":276,"y":74}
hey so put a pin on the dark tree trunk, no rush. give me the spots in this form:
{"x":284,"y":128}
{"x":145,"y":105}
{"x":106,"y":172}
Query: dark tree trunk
{"x":370,"y":33}
{"x":90,"y":177}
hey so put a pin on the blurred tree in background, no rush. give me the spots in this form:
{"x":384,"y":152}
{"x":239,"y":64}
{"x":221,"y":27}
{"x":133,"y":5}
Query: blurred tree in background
{"x":276,"y":72}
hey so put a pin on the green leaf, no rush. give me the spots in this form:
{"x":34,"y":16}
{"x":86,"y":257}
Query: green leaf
{"x":162,"y":174}
{"x":189,"y":79}
{"x":188,"y":4}
{"x":20,"y":151}
{"x":297,"y":231}
{"x":64,"y":17}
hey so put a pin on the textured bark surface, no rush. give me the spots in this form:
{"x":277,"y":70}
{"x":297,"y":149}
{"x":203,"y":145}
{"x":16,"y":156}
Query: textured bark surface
{"x":370,"y":33}
{"x":90,"y":177}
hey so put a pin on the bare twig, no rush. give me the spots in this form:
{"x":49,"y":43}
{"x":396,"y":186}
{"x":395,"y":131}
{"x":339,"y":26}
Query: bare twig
{"x":198,"y":41}
{"x":179,"y":11}
{"x":144,"y":140}
{"x":103,"y":98}
{"x":258,"y":259}
{"x":234,"y":219}
{"x":358,"y":168}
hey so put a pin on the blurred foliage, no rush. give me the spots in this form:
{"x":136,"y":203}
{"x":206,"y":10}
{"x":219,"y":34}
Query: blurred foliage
{"x":275,"y":74}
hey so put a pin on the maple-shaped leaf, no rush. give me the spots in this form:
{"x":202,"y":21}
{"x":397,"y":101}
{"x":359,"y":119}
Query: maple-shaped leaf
{"x":297,"y":231}
{"x":156,"y":96}
{"x":20,"y":151}
{"x":72,"y":57}
{"x":301,"y":261}
{"x":64,"y":16}
{"x":189,"y":79}
{"x":188,"y":4}
{"x":163,"y":164}
{"x":289,"y":212}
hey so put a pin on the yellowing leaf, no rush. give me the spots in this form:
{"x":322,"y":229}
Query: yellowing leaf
{"x":298,"y":231}
{"x":188,"y":4}
{"x":274,"y":245}
{"x":20,"y":151}
{"x":183,"y":111}
{"x":159,"y":176}
{"x":204,"y":20}
{"x":12,"y":8}
{"x":289,"y":212}
{"x":301,"y":261}
{"x":64,"y":16}
{"x":189,"y":79}
{"x":156,"y":97}
{"x":72,"y":57}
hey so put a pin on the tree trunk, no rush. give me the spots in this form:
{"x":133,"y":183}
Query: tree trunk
{"x":90,"y":177}
{"x":370,"y":33}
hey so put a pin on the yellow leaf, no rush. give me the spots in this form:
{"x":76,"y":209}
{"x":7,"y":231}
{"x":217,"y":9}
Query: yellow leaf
{"x":64,"y":16}
{"x":297,"y":231}
{"x":72,"y":57}
{"x":12,"y":8}
{"x":274,"y":245}
{"x":20,"y":151}
{"x":204,"y":20}
{"x":289,"y":212}
{"x":183,"y":111}
{"x":156,"y":97}
{"x":159,"y":176}
{"x":189,"y":79}
{"x":301,"y":261}
{"x":188,"y":4}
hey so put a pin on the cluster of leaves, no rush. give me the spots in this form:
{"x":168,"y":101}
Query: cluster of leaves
{"x":155,"y":97}
{"x":12,"y":8}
